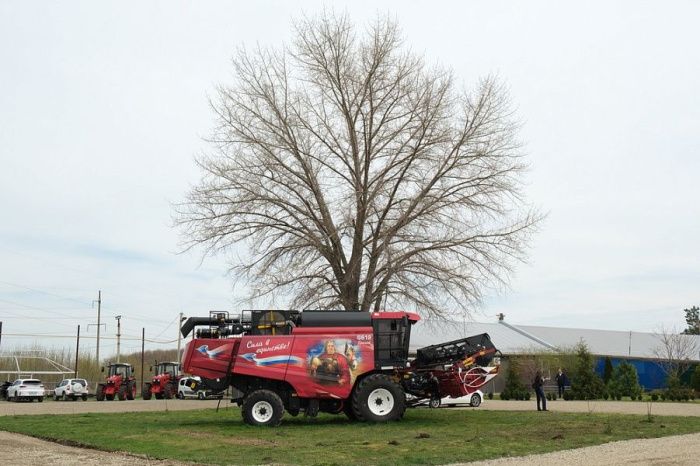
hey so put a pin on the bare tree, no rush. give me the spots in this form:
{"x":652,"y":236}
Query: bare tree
{"x":676,"y":352}
{"x":358,"y":176}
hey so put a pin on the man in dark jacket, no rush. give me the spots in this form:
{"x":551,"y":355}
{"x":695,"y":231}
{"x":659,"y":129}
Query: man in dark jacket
{"x":561,"y":382}
{"x":538,"y":385}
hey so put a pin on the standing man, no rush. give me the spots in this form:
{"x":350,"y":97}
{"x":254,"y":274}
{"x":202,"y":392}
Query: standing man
{"x":561,"y":382}
{"x":538,"y":385}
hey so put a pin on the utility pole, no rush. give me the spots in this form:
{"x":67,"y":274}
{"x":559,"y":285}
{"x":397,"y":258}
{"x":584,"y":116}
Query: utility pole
{"x":0,"y":331}
{"x":143,"y":345}
{"x":119,"y":334}
{"x":179,"y":335}
{"x":77,"y":348}
{"x":99,"y":309}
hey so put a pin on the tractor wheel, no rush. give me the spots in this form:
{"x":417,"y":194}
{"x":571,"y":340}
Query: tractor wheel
{"x":378,"y":398}
{"x":100,"y":393}
{"x":435,"y":402}
{"x":121,"y":394}
{"x":475,"y":400}
{"x":146,"y":392}
{"x":131,"y":391}
{"x":167,"y":392}
{"x":110,"y":397}
{"x":262,"y":408}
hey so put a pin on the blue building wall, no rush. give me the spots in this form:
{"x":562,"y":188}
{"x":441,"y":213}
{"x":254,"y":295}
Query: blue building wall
{"x":650,"y":374}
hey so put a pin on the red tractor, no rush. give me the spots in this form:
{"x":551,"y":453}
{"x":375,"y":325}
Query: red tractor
{"x":120,"y":382}
{"x":164,"y":383}
{"x":355,"y":363}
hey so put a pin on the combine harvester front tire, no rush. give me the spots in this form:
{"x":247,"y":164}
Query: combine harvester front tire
{"x":378,"y":398}
{"x":262,"y":408}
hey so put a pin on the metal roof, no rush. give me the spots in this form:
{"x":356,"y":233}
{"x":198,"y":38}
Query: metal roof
{"x":605,"y":342}
{"x":508,"y":341}
{"x":515,"y":339}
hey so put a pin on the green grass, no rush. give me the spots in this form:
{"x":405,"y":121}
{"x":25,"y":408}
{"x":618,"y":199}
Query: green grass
{"x":423,"y":437}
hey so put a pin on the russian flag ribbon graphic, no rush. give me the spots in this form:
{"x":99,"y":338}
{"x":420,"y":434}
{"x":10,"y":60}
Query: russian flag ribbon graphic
{"x":272,"y":360}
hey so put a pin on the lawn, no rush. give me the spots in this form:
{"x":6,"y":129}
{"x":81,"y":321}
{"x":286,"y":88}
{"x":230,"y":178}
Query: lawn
{"x":424,"y":436}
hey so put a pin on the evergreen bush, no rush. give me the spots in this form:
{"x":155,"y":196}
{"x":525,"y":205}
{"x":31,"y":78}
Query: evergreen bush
{"x":585,"y":383}
{"x":514,"y":388}
{"x":625,"y":381}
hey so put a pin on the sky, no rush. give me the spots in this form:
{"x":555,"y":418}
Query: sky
{"x":104,"y":105}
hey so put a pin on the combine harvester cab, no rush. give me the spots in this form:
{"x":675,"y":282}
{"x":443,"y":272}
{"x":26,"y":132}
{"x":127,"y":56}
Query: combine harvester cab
{"x":164,"y":382}
{"x":120,"y":383}
{"x":355,"y":363}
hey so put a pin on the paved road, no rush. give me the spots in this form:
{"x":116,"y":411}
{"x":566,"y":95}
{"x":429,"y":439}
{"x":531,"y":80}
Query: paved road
{"x":91,"y":406}
{"x":622,"y":407}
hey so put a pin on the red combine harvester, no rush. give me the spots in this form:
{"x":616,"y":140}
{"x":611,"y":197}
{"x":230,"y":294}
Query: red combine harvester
{"x":348,"y":362}
{"x":120,"y":382}
{"x":164,"y":383}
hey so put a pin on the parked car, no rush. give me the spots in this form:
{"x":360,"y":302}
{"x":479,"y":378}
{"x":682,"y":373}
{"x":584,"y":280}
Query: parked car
{"x":26,"y":389}
{"x":191,"y":387}
{"x":3,"y":389}
{"x":71,"y":388}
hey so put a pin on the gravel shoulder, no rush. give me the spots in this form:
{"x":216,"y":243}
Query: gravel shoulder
{"x":676,"y":450}
{"x":21,"y":449}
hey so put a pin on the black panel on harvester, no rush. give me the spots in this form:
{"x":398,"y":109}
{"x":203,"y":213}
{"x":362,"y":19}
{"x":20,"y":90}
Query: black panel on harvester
{"x":451,"y":351}
{"x":335,"y":319}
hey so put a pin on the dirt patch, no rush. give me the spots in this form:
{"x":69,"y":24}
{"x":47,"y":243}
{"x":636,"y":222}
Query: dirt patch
{"x":240,"y":441}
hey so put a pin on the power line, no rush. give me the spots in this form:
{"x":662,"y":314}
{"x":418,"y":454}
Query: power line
{"x":44,"y":292}
{"x":51,"y":335}
{"x":166,"y":328}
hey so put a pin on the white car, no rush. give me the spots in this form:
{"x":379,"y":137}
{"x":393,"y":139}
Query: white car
{"x":189,"y":387}
{"x":26,"y":389}
{"x":71,"y":388}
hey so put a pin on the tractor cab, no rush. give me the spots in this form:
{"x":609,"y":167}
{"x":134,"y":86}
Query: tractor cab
{"x":119,"y":369}
{"x":167,"y":368}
